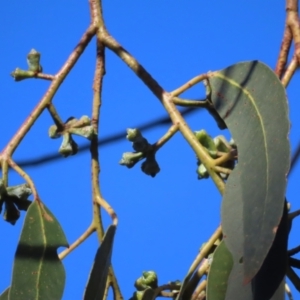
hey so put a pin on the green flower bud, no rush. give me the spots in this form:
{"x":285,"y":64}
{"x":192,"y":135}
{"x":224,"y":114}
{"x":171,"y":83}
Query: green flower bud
{"x":202,"y":172}
{"x":85,"y":120}
{"x":53,"y":133}
{"x":149,"y":279}
{"x":133,"y":134}
{"x":33,"y":61}
{"x":222,"y":144}
{"x":11,"y":213}
{"x":68,"y":146}
{"x":21,"y":191}
{"x":206,"y":141}
{"x":19,"y":74}
{"x":139,"y":143}
{"x":14,"y":199}
{"x":150,"y":166}
{"x":18,"y":194}
{"x":129,"y":159}
{"x":87,"y":131}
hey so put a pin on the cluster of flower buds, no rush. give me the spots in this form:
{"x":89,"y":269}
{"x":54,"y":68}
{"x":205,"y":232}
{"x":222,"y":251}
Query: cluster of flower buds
{"x":143,"y":150}
{"x":214,"y":147}
{"x":81,"y":127}
{"x":34,"y":67}
{"x":148,"y":281}
{"x":14,"y":198}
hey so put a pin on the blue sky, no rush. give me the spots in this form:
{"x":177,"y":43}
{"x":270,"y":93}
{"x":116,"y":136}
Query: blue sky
{"x":163,"y":221}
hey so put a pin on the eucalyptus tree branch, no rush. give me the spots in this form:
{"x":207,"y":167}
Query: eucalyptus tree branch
{"x":98,"y":200}
{"x":47,"y":98}
{"x":166,"y":99}
{"x":104,"y":140}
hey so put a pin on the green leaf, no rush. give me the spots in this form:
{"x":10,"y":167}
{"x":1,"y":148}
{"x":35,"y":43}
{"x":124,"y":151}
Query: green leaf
{"x":218,"y":273}
{"x":38,"y":272}
{"x":268,"y":280}
{"x":252,"y":102}
{"x":4,"y":295}
{"x":97,"y":281}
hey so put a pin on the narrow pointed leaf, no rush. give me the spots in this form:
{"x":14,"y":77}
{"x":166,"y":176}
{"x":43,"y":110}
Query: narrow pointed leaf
{"x":219,"y":272}
{"x":97,"y":281}
{"x":38,"y":272}
{"x":252,"y":102}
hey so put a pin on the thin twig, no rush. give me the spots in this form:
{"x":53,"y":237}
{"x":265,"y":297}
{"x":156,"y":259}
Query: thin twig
{"x":44,"y":76}
{"x":189,"y":84}
{"x":197,"y":276}
{"x":172,"y":130}
{"x":200,"y":288}
{"x":284,"y":51}
{"x":189,"y":103}
{"x":205,"y":250}
{"x":292,"y":21}
{"x":25,"y":176}
{"x":4,"y":168}
{"x":222,"y":170}
{"x":224,"y":158}
{"x":290,"y":71}
{"x":55,"y":116}
{"x":169,"y":286}
{"x":80,"y":240}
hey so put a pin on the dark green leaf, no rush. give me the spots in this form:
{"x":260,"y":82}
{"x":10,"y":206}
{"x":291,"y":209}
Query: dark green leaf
{"x":252,"y":102}
{"x":270,"y":276}
{"x":219,"y":273}
{"x":38,"y":272}
{"x":4,"y":295}
{"x":96,"y":285}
